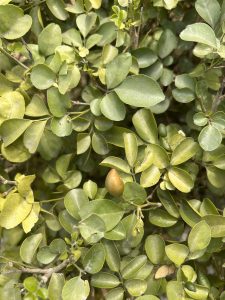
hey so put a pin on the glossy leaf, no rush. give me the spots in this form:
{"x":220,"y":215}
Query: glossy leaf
{"x":140,"y":91}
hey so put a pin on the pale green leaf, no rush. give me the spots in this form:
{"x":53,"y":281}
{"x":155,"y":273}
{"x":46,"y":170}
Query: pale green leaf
{"x":140,"y":91}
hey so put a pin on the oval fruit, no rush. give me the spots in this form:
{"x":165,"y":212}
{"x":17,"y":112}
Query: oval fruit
{"x":114,"y":184}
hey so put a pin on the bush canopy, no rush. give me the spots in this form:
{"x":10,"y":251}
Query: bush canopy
{"x":112,"y":160}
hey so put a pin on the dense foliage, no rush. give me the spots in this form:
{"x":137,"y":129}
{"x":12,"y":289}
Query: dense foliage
{"x":112,"y":165}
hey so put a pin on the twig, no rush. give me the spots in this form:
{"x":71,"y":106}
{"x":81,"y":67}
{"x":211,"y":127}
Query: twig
{"x":6,"y":181}
{"x":153,"y":192}
{"x":26,"y":46}
{"x":218,"y":98}
{"x":13,"y":58}
{"x":80,"y":103}
{"x":8,"y":191}
{"x":47,"y":272}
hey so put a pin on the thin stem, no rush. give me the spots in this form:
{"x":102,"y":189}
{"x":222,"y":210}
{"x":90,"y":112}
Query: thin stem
{"x":13,"y":58}
{"x":153,"y":192}
{"x":51,"y":200}
{"x":6,"y":181}
{"x":80,"y":103}
{"x":8,"y":191}
{"x":81,"y":114}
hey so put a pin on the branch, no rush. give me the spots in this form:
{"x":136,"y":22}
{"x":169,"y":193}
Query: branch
{"x":47,"y":273}
{"x":13,"y":58}
{"x":219,"y":97}
{"x":6,"y":181}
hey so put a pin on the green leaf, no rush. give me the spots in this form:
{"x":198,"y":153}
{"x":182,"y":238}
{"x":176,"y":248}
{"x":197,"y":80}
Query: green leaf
{"x":134,"y":193}
{"x":85,"y":22}
{"x":14,"y":24}
{"x":209,"y":10}
{"x":42,"y":77}
{"x":199,"y":237}
{"x":150,"y":176}
{"x":161,"y":218}
{"x":99,"y":144}
{"x":177,"y":253}
{"x":67,"y":222}
{"x":57,"y":8}
{"x":174,"y":290}
{"x":167,"y":43}
{"x":94,"y":259}
{"x":198,"y":292}
{"x":33,"y":134}
{"x":70,"y":80}
{"x":190,"y":215}
{"x":117,"y":233}
{"x":81,"y":287}
{"x":112,"y":255}
{"x":50,"y":145}
{"x":123,"y":63}
{"x":90,"y":188}
{"x":184,"y":95}
{"x":140,"y":91}
{"x":74,"y":200}
{"x":219,"y":162}
{"x":112,"y":107}
{"x":155,"y":248}
{"x":57,"y":102}
{"x":115,"y":294}
{"x":29,"y":247}
{"x":208,"y":207}
{"x":114,"y":136}
{"x":72,"y":37}
{"x":145,"y":125}
{"x":49,"y":39}
{"x":37,"y":107}
{"x":215,"y":176}
{"x":45,"y":255}
{"x":160,"y":156}
{"x":107,"y":210}
{"x":210,"y":138}
{"x":145,"y":57}
{"x":62,"y":164}
{"x":181,"y":179}
{"x":83,"y":142}
{"x":131,"y":147}
{"x":12,"y":129}
{"x":92,"y":229}
{"x":61,"y":127}
{"x":31,"y":284}
{"x":32,"y":218}
{"x":133,"y":266}
{"x":200,"y":33}
{"x":117,"y":163}
{"x":55,"y":286}
{"x":136,"y":287}
{"x":15,"y":210}
{"x":216,"y":224}
{"x":168,"y":202}
{"x":148,"y":297}
{"x":73,"y":179}
{"x":12,"y":106}
{"x":184,"y":151}
{"x":104,"y":280}
{"x":16,"y":152}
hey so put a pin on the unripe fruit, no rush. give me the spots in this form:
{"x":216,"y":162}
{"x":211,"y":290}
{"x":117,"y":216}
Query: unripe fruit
{"x":114,"y":184}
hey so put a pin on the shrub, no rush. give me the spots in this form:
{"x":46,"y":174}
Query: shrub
{"x":112,"y":158}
